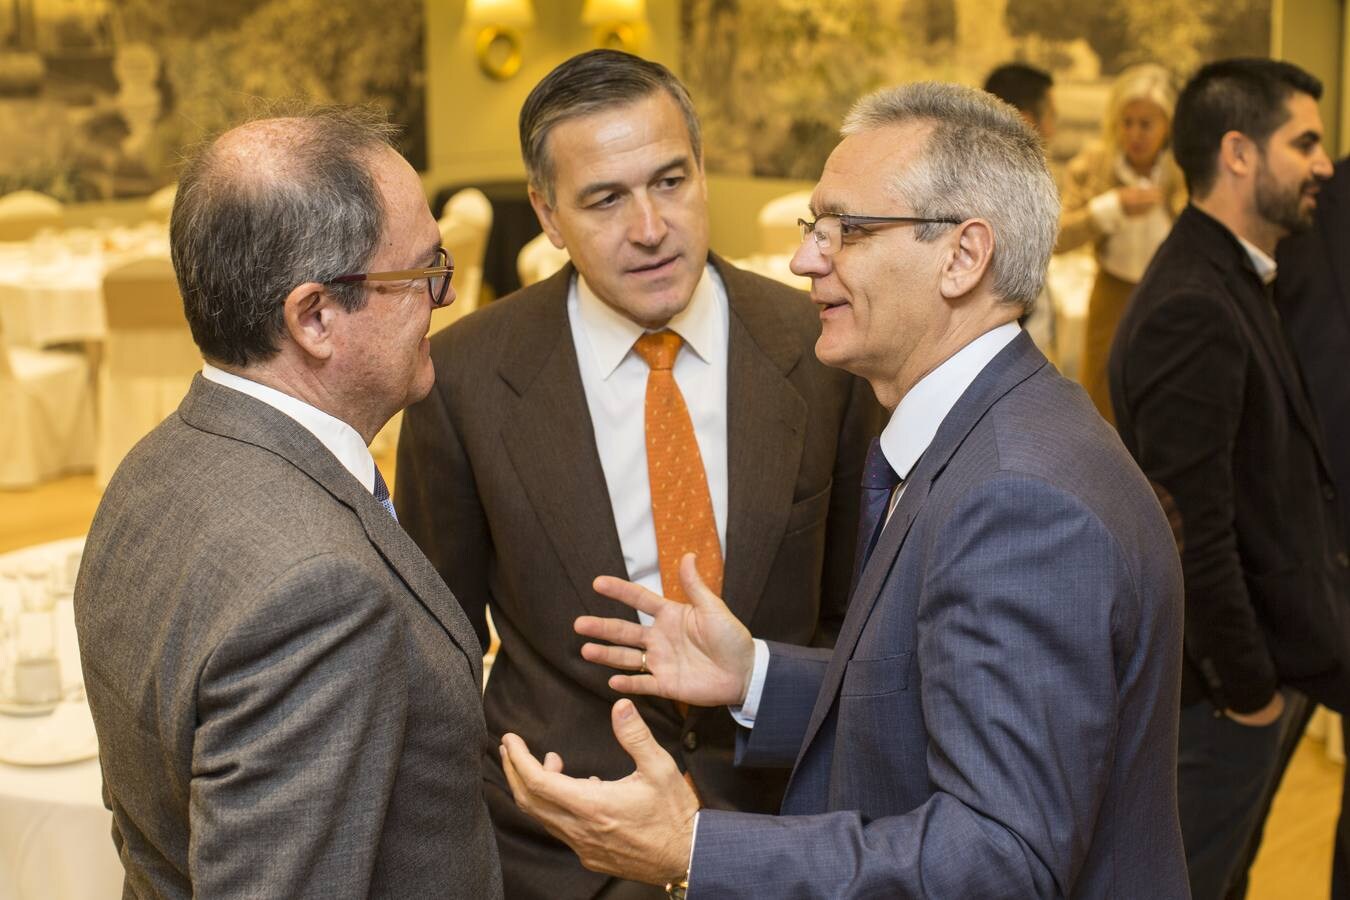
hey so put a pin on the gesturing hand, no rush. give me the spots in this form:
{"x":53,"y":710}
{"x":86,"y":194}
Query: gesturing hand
{"x":695,"y":652}
{"x":640,"y":827}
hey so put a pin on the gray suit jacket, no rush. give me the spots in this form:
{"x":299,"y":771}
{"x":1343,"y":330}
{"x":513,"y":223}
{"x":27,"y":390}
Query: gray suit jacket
{"x":286,"y":694}
{"x":999,"y":715}
{"x":499,"y":481}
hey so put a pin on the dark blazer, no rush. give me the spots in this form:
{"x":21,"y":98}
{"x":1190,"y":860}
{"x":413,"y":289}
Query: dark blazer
{"x":500,"y":482}
{"x":998,"y":718}
{"x":286,"y":695}
{"x":1313,"y":291}
{"x":1209,"y":400}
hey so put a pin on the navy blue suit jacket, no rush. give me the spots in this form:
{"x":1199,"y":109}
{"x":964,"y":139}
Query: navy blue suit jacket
{"x":998,"y":717}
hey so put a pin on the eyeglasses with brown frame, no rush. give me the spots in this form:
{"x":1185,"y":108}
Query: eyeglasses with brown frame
{"x":437,"y":276}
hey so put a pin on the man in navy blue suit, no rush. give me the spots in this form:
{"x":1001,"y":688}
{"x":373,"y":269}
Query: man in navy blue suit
{"x":998,"y":716}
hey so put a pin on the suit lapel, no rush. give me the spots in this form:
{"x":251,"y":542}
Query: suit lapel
{"x":1013,"y":365}
{"x":229,"y":413}
{"x":766,"y":433}
{"x":550,"y":440}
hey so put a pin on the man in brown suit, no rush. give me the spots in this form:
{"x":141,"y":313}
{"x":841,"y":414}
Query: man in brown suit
{"x":530,"y":470}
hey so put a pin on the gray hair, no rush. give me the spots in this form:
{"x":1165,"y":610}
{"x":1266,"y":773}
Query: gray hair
{"x":981,"y":161}
{"x":588,"y":83}
{"x":270,"y":205}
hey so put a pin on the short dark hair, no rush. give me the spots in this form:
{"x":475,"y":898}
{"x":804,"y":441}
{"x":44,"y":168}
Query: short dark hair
{"x":1020,"y":85}
{"x":270,"y":205}
{"x":588,"y":83}
{"x":1246,"y":95}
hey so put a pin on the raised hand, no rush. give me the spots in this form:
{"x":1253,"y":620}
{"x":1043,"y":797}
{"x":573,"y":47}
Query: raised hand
{"x":640,"y":827}
{"x":695,"y":652}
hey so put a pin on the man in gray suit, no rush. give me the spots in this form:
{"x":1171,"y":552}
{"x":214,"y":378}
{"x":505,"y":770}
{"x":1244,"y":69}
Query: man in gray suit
{"x":535,"y":463}
{"x":286,"y":694}
{"x":998,"y":717}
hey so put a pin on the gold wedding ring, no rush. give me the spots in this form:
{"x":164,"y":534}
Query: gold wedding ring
{"x":643,"y":670}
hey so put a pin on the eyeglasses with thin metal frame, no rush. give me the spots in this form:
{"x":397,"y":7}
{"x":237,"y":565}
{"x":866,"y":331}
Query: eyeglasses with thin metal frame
{"x":437,"y":276}
{"x":828,"y":228}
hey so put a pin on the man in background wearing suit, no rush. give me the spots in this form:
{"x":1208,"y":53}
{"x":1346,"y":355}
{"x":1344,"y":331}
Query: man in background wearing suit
{"x":998,"y":717}
{"x":286,"y":694}
{"x":556,"y":446}
{"x":1313,"y":292}
{"x":1210,"y":400}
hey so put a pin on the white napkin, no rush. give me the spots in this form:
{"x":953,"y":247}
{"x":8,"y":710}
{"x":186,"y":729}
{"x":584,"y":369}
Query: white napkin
{"x":66,"y":736}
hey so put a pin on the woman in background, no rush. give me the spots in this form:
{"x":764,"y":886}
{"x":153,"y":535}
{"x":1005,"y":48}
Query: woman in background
{"x":1121,"y":193}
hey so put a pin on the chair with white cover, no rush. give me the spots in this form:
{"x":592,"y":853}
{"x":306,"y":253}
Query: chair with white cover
{"x":779,"y":232}
{"x":465,"y":222}
{"x":149,"y":357}
{"x":25,"y":213}
{"x":539,"y":259}
{"x":47,"y":407}
{"x":159,"y":205}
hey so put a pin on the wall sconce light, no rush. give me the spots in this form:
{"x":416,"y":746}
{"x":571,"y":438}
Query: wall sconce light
{"x":497,"y":45}
{"x":615,"y":22}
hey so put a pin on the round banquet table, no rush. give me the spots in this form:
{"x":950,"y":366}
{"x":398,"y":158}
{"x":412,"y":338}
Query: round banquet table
{"x":55,"y":833}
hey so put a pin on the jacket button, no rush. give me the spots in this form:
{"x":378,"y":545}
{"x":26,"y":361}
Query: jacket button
{"x":690,"y":741}
{"x":1328,"y":491}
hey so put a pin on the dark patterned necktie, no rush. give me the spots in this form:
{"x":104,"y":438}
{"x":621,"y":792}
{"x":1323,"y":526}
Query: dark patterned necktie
{"x":878,"y":484}
{"x":382,"y":494}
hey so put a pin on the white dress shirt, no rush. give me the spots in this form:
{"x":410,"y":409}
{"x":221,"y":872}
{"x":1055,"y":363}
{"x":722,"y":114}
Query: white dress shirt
{"x":904,"y":439}
{"x":340,"y":438}
{"x":615,"y":381}
{"x":1261,"y":261}
{"x":1131,"y":240}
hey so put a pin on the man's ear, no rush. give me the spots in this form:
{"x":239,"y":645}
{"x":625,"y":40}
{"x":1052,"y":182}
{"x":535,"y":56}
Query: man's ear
{"x":971,"y":251}
{"x":1238,"y":153}
{"x":311,"y":313}
{"x":546,"y":214}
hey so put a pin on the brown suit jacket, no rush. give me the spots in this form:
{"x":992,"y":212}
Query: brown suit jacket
{"x":500,"y":483}
{"x":285,"y":693}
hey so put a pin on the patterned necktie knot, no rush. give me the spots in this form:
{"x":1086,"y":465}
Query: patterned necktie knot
{"x":659,"y":349}
{"x":877,"y":472}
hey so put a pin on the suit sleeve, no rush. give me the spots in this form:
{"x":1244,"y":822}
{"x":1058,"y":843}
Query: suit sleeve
{"x":1018,"y":663}
{"x":301,"y":710}
{"x":790,"y":688}
{"x":437,"y":501}
{"x":863,"y":419}
{"x":1185,"y":380}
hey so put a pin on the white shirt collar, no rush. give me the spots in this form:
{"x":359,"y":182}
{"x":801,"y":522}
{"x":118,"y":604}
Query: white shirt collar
{"x":341,"y":439}
{"x":612,"y":334}
{"x":922,"y":410}
{"x":1265,"y":266}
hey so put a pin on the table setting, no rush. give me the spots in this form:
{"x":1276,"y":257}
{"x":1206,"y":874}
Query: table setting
{"x":55,"y":833}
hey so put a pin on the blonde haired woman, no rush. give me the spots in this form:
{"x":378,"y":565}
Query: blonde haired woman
{"x":1121,"y":193}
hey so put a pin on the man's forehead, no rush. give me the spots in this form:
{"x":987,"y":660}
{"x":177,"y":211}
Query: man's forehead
{"x":1303,"y":114}
{"x":866,"y":167}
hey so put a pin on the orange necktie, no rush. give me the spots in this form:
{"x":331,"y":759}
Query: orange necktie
{"x":681,"y":504}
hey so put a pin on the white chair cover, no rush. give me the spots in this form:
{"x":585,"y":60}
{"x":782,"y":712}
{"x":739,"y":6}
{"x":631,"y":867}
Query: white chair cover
{"x":539,"y":259}
{"x":46,"y":404}
{"x":149,"y":357}
{"x":25,"y":213}
{"x":465,"y":222}
{"x":778,"y":229}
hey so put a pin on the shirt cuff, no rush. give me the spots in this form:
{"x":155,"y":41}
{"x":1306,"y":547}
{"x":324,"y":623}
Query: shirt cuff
{"x":1107,"y":213}
{"x":745,"y":713}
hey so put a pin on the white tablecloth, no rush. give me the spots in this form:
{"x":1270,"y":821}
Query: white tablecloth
{"x":55,"y":834}
{"x":51,"y":288}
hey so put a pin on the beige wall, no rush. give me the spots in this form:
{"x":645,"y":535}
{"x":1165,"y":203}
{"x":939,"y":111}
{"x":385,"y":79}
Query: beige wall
{"x":471,"y":127}
{"x":1314,"y":34}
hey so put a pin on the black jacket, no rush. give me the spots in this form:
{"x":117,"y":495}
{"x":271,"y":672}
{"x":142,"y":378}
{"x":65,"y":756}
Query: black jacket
{"x":1209,"y":399}
{"x":1313,"y":293}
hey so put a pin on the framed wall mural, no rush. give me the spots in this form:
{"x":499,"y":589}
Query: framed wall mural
{"x":773,"y":78}
{"x":99,"y":97}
